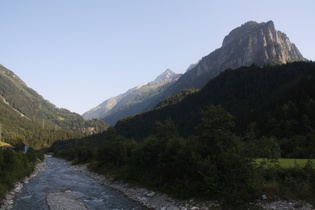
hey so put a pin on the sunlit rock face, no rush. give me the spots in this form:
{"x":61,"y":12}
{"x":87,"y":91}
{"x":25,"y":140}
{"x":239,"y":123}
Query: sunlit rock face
{"x":258,"y":43}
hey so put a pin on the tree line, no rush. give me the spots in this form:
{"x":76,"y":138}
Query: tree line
{"x":206,"y":143}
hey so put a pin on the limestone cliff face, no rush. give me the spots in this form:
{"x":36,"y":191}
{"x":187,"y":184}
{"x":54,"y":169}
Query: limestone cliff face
{"x":253,"y":42}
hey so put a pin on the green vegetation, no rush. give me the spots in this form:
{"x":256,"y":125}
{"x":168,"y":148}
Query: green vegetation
{"x":26,"y":117}
{"x":4,"y":144}
{"x":280,"y":178}
{"x":287,"y":163}
{"x":177,"y":98}
{"x":15,"y":165}
{"x":20,"y":130}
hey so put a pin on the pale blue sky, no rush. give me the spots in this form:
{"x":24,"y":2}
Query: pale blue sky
{"x":78,"y":53}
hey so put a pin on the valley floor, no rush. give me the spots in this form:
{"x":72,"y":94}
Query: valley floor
{"x":148,"y":198}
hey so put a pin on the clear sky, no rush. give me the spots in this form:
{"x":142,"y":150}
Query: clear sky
{"x":78,"y":53}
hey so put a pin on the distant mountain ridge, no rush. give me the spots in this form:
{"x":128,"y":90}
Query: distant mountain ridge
{"x":134,"y":101}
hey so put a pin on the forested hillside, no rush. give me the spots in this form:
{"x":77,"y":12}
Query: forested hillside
{"x":26,"y":117}
{"x":18,"y":130}
{"x":271,"y":100}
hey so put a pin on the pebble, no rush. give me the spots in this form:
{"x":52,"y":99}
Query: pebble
{"x":150,"y":194}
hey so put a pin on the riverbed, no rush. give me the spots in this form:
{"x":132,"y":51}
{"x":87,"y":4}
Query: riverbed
{"x":61,"y":187}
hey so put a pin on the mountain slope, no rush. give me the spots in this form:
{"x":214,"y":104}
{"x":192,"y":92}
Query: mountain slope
{"x":20,"y":104}
{"x":243,"y":92}
{"x":133,"y":101}
{"x":253,"y":42}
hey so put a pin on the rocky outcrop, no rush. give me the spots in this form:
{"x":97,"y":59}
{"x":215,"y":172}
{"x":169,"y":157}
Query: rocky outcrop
{"x":258,"y":43}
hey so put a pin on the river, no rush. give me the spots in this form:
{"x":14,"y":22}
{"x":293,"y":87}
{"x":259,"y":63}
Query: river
{"x":65,"y":186}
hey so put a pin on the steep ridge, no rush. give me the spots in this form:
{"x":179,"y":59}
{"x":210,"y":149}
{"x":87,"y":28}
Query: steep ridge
{"x":253,"y":42}
{"x":102,"y":109}
{"x":133,"y":101}
{"x":20,"y":101}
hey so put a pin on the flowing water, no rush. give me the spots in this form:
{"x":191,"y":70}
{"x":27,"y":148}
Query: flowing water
{"x":58,"y":177}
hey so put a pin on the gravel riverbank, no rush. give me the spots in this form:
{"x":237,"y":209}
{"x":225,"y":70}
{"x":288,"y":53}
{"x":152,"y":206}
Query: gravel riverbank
{"x":147,"y":198}
{"x":64,"y":200}
{"x":161,"y":201}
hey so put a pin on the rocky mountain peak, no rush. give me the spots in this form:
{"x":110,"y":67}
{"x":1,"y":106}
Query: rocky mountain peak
{"x":251,"y":43}
{"x":260,"y":43}
{"x":246,"y":28}
{"x":167,"y":74}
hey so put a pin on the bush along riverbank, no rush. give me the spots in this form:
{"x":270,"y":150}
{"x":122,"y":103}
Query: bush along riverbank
{"x":161,"y":201}
{"x":14,"y":166}
{"x":215,"y":165}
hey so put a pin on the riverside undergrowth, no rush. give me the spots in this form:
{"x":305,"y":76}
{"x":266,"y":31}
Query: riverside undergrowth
{"x":15,"y":165}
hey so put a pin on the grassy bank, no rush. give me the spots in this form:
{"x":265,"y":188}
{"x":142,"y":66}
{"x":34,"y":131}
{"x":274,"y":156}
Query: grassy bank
{"x":285,"y":162}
